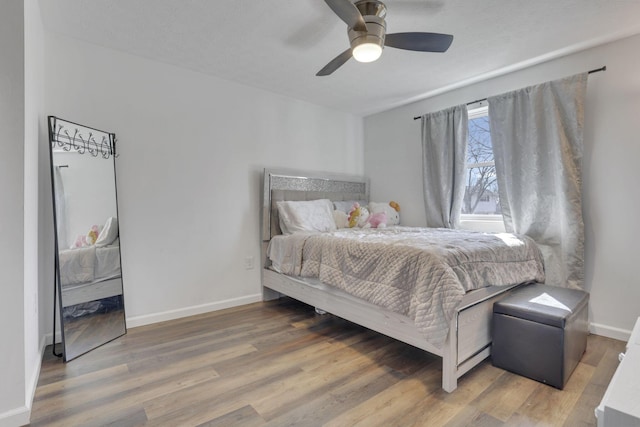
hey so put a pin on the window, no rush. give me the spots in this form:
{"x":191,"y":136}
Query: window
{"x":481,"y":199}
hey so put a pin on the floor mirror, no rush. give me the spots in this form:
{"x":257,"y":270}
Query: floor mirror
{"x":88,"y":276}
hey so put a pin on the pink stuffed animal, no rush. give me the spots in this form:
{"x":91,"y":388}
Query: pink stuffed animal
{"x":377,"y":220}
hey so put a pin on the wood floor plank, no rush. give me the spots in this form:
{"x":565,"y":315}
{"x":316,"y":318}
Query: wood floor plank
{"x":430,"y":412}
{"x":608,"y":364}
{"x":245,"y":378}
{"x":296,"y":390}
{"x":388,"y":404}
{"x":440,"y":408}
{"x":279,"y":363}
{"x":83,"y":408}
{"x":504,"y":396}
{"x":319,"y":409}
{"x":471,"y":416}
{"x":245,"y":417}
{"x":92,"y":379}
{"x":551,"y":405}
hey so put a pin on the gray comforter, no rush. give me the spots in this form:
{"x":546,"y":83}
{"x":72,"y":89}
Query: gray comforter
{"x":422,"y":273}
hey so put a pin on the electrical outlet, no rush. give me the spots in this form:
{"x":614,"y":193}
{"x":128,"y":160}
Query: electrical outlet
{"x":248,"y":263}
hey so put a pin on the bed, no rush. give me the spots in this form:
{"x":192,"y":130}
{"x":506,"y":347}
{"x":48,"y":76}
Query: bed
{"x":451,"y":320}
{"x":90,"y":273}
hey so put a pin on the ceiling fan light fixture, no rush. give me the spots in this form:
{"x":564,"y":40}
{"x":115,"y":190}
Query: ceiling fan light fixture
{"x":367,"y":46}
{"x":367,"y":52}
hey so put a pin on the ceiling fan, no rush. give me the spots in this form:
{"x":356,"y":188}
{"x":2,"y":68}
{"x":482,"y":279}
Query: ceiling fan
{"x":366,"y":28}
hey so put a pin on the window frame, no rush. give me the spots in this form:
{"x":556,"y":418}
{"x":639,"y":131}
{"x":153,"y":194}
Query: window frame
{"x":481,"y":222}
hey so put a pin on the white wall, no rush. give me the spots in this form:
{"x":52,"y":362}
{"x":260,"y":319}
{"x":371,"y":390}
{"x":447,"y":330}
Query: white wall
{"x":611,"y":199}
{"x":33,"y":229}
{"x":192,"y":149}
{"x":12,"y":368}
{"x":19,"y":108}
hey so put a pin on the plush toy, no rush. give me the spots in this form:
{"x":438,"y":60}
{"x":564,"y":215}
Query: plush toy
{"x":392,"y":209}
{"x":377,"y":220}
{"x":358,"y":216}
{"x":88,"y":239}
{"x":81,"y":242}
{"x":364,"y":216}
{"x":93,"y":234}
{"x":354,"y":214}
{"x":395,"y":216}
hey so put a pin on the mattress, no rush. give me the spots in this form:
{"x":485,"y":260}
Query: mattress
{"x":89,"y":264}
{"x":422,"y":273}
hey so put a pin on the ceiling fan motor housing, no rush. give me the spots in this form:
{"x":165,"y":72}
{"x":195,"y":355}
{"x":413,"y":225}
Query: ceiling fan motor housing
{"x":371,"y":8}
{"x":373,"y":12}
{"x":376,"y":29}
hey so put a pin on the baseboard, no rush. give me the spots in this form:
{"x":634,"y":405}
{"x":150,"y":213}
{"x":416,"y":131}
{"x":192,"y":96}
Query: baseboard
{"x":21,"y":416}
{"x":148,"y":319}
{"x":33,"y":383}
{"x":15,"y":417}
{"x":48,"y":338}
{"x":610,"y":332}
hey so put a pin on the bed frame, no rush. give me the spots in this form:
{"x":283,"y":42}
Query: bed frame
{"x":469,"y":338}
{"x":85,"y":292}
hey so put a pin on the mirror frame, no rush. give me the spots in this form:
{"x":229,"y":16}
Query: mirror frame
{"x":73,"y":137}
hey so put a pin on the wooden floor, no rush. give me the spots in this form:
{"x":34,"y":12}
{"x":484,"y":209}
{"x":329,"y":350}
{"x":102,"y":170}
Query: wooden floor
{"x":280,"y":364}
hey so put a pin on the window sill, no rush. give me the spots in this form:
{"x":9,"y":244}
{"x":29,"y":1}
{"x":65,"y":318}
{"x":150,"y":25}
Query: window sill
{"x":485,"y":223}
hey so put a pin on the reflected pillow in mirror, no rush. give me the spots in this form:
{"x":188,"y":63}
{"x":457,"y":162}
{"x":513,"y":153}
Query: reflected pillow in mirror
{"x":109,"y":233}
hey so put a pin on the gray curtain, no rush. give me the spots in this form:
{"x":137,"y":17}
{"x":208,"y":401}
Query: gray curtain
{"x":536,"y":134}
{"x":444,"y":146}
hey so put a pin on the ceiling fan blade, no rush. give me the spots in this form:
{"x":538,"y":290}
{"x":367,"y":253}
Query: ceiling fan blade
{"x":335,"y":63}
{"x":423,"y":42}
{"x":349,"y":13}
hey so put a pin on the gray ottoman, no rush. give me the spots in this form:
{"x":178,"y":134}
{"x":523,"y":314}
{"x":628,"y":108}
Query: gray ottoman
{"x":540,"y":332}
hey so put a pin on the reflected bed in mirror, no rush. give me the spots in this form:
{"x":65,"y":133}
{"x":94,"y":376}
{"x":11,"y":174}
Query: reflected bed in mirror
{"x":88,"y":277}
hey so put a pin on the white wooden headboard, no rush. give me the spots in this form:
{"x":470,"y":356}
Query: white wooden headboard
{"x":299,"y":185}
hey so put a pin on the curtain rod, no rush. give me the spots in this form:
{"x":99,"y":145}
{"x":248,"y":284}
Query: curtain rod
{"x":603,"y":68}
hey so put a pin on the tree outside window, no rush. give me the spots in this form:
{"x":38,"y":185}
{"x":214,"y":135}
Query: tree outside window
{"x":481,"y":188}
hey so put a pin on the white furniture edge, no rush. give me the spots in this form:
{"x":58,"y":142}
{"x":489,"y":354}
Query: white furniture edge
{"x":105,"y":288}
{"x":620,"y":405}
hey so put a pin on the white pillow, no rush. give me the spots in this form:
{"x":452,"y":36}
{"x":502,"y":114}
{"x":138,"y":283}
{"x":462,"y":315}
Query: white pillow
{"x":312,"y":215}
{"x":393,"y":216}
{"x":341,"y":219}
{"x":109,"y":233}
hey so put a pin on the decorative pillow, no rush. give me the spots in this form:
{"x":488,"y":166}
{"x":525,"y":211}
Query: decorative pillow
{"x":109,"y":233}
{"x":392,"y":209}
{"x":341,"y":219}
{"x":312,"y":215}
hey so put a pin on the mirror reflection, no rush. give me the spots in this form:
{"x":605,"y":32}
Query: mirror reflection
{"x":88,"y":272}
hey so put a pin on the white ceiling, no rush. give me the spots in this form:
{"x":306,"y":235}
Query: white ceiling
{"x":279,"y":45}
